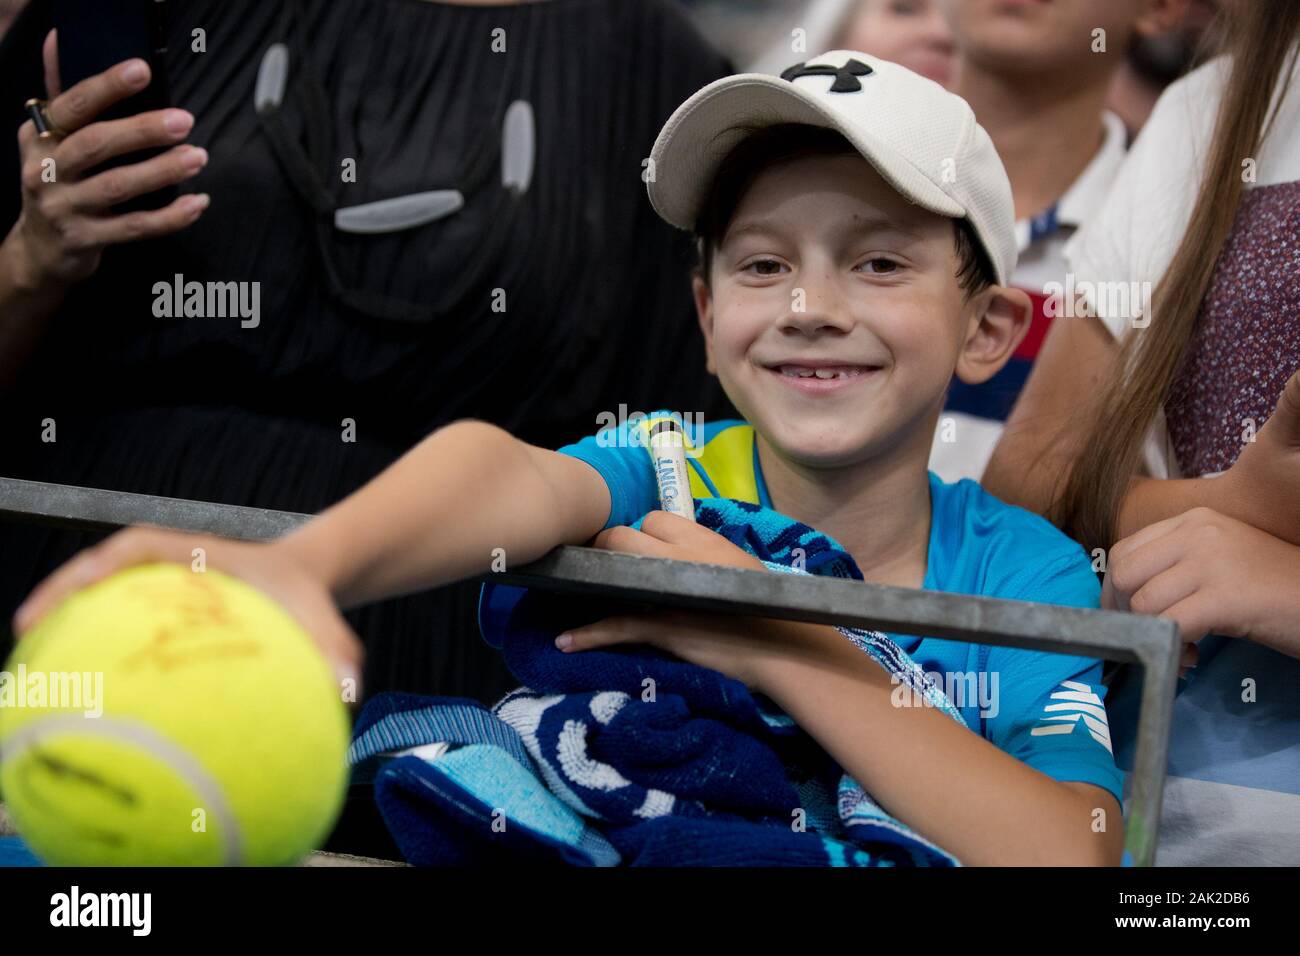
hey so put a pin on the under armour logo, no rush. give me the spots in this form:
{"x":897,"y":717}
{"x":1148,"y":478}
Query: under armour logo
{"x":846,"y":76}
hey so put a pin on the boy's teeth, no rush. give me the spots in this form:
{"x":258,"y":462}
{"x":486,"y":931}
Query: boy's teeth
{"x":795,"y":371}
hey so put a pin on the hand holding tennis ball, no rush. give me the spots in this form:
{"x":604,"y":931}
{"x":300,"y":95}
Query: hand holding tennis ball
{"x":221,"y":734}
{"x":217,"y":734}
{"x":273,"y":568}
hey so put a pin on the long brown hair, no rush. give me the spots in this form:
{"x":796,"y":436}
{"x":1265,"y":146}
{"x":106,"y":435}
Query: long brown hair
{"x":1261,"y":40}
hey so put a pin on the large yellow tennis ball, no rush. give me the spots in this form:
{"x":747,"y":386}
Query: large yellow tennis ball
{"x":171,"y":717}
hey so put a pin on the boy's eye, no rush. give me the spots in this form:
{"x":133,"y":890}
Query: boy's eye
{"x":763,"y":267}
{"x":880,"y":267}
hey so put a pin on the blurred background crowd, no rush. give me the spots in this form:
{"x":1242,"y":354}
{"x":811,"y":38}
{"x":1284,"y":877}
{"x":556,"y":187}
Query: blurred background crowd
{"x":755,"y":34}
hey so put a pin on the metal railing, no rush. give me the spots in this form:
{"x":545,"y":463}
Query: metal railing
{"x":1152,"y":643}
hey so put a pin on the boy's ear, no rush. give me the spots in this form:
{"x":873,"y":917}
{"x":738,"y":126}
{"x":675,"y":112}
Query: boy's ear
{"x":704,"y":312}
{"x":998,"y":321}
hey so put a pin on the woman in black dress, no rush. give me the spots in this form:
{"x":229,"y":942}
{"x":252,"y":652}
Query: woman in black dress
{"x":534,"y":306}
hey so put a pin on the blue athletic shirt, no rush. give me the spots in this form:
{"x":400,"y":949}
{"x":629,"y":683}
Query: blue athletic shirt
{"x":1044,"y":709}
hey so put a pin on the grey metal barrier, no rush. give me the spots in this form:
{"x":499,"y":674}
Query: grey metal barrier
{"x":1149,"y":642}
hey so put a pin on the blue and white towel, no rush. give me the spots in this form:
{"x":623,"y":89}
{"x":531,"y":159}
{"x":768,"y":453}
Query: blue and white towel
{"x":628,"y":755}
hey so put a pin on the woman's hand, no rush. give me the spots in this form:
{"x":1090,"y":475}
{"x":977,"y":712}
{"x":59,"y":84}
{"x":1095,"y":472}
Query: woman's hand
{"x":730,"y":644}
{"x":1263,"y":485}
{"x":1210,"y":574}
{"x":67,"y":219}
{"x":271,"y":568}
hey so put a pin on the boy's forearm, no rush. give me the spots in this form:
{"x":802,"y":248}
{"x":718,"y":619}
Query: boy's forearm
{"x":438,"y":515}
{"x":949,"y":784}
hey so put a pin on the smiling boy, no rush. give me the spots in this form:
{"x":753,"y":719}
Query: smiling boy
{"x":856,"y":228}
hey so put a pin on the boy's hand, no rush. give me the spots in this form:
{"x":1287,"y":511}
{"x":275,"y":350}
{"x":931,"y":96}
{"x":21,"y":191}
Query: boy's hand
{"x":727,"y":643}
{"x":1210,"y":574}
{"x":270,"y":568}
{"x":666,"y":535}
{"x":743,"y":648}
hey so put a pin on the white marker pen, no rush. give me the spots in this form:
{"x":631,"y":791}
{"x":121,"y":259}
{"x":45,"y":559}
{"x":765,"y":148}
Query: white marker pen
{"x":668,"y":452}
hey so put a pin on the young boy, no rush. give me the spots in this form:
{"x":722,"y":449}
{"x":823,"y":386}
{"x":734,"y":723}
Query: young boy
{"x":856,"y":249}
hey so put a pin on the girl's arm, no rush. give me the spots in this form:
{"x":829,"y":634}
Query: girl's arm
{"x":947,"y":783}
{"x":1041,"y":440}
{"x":1044,"y":433}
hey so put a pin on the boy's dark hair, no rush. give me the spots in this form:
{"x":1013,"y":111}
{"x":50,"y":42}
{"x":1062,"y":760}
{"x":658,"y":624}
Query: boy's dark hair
{"x":788,"y":141}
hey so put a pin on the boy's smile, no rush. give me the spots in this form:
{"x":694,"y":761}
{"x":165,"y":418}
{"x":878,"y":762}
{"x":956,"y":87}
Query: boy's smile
{"x":812,"y":376}
{"x":834,"y":318}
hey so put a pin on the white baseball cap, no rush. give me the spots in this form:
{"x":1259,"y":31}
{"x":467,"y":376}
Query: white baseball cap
{"x":920,"y":138}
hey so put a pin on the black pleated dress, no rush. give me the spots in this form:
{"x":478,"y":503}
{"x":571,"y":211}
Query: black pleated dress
{"x":397,"y":333}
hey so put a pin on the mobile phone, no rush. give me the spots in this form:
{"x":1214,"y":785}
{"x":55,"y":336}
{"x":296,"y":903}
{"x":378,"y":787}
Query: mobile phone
{"x":94,"y":35}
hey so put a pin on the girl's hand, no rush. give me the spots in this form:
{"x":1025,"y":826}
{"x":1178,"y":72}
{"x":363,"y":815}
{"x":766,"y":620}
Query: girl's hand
{"x":1209,"y":574}
{"x":66,"y":218}
{"x":271,"y":568}
{"x":1263,"y":485}
{"x":731,"y":644}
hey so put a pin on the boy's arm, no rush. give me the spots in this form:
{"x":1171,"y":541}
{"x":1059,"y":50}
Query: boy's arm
{"x":434,"y":516}
{"x":947,"y":783}
{"x":439,"y":513}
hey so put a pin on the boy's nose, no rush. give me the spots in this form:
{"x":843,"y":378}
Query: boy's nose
{"x":812,"y":311}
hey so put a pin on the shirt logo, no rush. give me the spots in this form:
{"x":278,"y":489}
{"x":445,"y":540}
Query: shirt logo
{"x":1077,"y":703}
{"x":846,"y":76}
